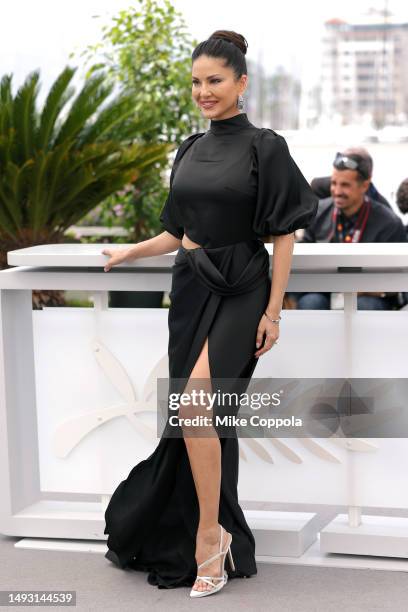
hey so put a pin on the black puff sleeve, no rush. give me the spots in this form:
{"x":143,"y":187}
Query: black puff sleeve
{"x":168,"y":214}
{"x":285,"y":201}
{"x":168,"y":218}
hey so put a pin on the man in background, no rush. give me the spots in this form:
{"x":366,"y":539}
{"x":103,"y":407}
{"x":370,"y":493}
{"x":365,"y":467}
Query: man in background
{"x":351,"y":215}
{"x":321,"y":185}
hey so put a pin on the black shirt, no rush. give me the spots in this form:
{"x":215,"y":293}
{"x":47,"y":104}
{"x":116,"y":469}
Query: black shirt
{"x":383,"y":225}
{"x":236,"y":182}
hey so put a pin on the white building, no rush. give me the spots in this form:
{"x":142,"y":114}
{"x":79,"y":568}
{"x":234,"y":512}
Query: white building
{"x":364,"y":72}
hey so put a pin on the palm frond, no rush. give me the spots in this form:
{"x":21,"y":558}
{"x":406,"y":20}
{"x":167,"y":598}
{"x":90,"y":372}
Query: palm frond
{"x":13,"y":184}
{"x":87,"y":102}
{"x":25,"y":117}
{"x":38,"y":192}
{"x":54,"y":170}
{"x":5,"y":89}
{"x":6,"y":100}
{"x":58,"y":96}
{"x":115,"y":112}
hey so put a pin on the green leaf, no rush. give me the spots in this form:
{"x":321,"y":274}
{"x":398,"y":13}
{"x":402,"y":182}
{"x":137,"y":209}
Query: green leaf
{"x":57,"y":98}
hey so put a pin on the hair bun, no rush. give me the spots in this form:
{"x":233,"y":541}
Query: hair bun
{"x":233,"y":37}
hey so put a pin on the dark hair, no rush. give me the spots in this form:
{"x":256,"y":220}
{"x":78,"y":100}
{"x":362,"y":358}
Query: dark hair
{"x":402,"y":196}
{"x":227,"y":45}
{"x":364,"y":166}
{"x":362,"y":152}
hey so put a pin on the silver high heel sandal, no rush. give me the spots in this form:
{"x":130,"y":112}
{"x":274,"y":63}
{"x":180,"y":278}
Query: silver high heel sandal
{"x":222,"y":580}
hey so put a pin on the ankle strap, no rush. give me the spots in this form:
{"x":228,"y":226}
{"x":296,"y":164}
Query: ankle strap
{"x":210,"y":559}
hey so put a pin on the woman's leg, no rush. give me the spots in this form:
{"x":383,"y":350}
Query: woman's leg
{"x":205,"y":459}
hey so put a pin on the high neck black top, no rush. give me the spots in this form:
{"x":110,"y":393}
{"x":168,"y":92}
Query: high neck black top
{"x":232,"y":125}
{"x":236,"y":182}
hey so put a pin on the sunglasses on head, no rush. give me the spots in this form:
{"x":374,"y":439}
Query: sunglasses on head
{"x":345,"y":161}
{"x":342,"y":162}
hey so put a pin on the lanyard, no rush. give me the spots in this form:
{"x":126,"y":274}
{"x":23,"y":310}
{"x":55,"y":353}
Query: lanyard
{"x":359,"y":226}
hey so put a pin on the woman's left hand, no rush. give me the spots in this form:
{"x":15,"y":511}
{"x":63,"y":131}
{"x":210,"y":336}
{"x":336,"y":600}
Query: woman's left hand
{"x":271,"y":330}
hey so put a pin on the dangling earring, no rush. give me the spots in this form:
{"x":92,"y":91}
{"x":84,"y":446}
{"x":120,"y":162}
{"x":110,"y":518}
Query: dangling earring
{"x":240,"y":102}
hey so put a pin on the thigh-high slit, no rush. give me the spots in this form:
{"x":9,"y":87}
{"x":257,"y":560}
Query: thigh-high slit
{"x":152,"y":517}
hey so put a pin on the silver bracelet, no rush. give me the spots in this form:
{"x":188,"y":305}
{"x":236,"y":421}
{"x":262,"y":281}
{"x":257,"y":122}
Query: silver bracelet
{"x":272,"y":320}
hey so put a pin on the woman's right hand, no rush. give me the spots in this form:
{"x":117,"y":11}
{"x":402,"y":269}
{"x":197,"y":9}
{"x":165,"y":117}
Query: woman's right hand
{"x":117,"y":256}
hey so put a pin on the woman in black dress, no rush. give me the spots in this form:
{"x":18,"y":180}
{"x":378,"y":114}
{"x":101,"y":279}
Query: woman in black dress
{"x":229,"y":187}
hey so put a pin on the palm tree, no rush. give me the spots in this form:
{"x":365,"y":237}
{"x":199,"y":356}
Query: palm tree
{"x":58,"y":164}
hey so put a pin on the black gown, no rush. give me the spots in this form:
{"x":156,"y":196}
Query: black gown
{"x":229,"y":187}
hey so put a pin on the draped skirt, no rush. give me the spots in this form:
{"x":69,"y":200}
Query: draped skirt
{"x":153,"y":515}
